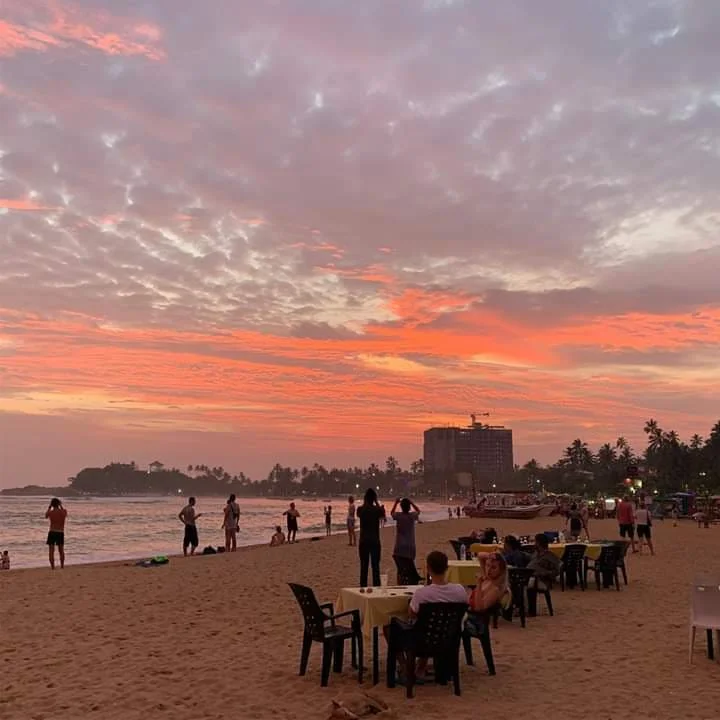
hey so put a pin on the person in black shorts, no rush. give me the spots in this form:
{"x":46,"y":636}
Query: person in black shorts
{"x":188,"y":516}
{"x":328,"y":520}
{"x":292,"y":516}
{"x":57,"y":515}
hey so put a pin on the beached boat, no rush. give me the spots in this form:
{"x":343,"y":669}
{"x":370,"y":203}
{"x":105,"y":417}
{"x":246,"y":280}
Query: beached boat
{"x":517,"y":512}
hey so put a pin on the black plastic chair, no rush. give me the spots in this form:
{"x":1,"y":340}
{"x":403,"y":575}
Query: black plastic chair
{"x":606,"y":566}
{"x":518,"y":579}
{"x":625,"y":545}
{"x":407,"y":573}
{"x":456,"y":545}
{"x":321,"y":627}
{"x":471,"y":630}
{"x":572,"y":566}
{"x":436,"y":634}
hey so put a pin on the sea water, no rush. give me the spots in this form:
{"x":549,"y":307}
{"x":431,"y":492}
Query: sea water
{"x":121,"y":528}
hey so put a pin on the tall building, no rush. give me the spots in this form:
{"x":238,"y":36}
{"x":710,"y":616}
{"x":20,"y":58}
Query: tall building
{"x":455,"y":455}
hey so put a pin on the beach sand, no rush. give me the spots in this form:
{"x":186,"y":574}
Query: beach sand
{"x":219,"y":637}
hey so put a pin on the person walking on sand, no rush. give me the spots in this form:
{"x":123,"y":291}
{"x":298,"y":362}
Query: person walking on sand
{"x":231,"y":523}
{"x":352,"y":540}
{"x":188,"y":516}
{"x":626,"y":520}
{"x":370,"y":514}
{"x":643,"y":523}
{"x":292,"y":516}
{"x":57,"y":515}
{"x":328,"y":520}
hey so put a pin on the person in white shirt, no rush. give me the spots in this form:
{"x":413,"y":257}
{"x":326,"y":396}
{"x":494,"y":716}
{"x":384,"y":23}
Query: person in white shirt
{"x":643,"y":524}
{"x":439,"y":590}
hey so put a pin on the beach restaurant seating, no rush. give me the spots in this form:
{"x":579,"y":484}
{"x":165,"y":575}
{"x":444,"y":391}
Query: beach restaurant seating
{"x":705,"y":612}
{"x":519,"y":580}
{"x":456,"y":546}
{"x":435,"y":634}
{"x":572,"y":570}
{"x":625,"y":545}
{"x":477,"y":625}
{"x":606,"y":566}
{"x":321,"y":627}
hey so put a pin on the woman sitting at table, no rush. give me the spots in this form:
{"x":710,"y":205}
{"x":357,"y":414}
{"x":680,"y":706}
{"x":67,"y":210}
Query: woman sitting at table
{"x":491,"y":590}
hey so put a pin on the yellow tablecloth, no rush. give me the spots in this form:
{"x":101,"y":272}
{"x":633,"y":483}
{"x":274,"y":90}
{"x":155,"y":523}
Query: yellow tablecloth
{"x":592,"y":549}
{"x":376,"y":607}
{"x":464,"y":572}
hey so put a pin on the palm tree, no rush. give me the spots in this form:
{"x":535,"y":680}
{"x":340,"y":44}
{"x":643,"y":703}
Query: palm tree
{"x":654,"y":433}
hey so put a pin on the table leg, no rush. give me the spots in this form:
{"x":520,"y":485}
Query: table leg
{"x":711,"y":649}
{"x":375,"y":657}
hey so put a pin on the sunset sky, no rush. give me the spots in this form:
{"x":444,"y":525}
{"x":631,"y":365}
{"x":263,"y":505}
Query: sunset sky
{"x":239,"y":232}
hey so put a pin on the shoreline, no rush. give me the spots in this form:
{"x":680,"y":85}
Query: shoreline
{"x":126,"y":561}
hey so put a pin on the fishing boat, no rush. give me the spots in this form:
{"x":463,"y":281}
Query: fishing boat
{"x":520,"y":506}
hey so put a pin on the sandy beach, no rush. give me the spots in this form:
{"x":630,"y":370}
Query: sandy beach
{"x":219,"y":637}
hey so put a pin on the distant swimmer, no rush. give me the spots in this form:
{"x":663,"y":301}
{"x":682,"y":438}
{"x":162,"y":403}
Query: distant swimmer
{"x":188,"y":516}
{"x":57,"y":515}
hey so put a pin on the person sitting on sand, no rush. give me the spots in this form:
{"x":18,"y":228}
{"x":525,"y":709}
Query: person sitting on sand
{"x":5,"y":562}
{"x":513,"y":552}
{"x":231,"y":523}
{"x":545,"y":566}
{"x":278,"y":538}
{"x":439,"y":590}
{"x":57,"y":515}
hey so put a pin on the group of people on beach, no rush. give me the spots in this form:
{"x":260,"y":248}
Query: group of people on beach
{"x":189,"y":516}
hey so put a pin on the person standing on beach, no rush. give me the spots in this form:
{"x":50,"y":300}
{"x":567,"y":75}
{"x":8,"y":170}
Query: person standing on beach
{"x":626,"y":520}
{"x":328,"y":520}
{"x":351,"y":521}
{"x":292,"y":515}
{"x":405,"y":528}
{"x":188,"y":516}
{"x":231,"y":523}
{"x":370,"y":514}
{"x":57,"y":515}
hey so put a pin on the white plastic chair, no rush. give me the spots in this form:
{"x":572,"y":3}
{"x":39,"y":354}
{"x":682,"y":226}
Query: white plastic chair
{"x":705,"y":610}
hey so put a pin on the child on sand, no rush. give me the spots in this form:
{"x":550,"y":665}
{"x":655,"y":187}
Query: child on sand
{"x":5,"y":562}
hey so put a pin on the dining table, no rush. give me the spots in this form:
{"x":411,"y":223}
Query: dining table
{"x":377,"y":606}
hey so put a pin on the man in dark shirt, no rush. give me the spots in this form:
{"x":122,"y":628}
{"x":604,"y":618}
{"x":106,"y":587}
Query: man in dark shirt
{"x":370,"y":514}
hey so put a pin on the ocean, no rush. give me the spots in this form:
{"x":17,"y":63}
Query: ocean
{"x":124,"y":528}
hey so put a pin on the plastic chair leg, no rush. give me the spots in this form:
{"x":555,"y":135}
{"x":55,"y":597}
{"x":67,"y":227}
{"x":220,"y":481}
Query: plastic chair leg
{"x":487,"y":652}
{"x":410,"y":674}
{"x":360,"y":659}
{"x":305,"y":653}
{"x":467,"y":647}
{"x":326,"y":662}
{"x":338,"y":653}
{"x":692,"y":642}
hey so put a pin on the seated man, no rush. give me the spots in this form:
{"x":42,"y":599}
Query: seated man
{"x":545,"y":566}
{"x":439,"y":590}
{"x":278,"y":538}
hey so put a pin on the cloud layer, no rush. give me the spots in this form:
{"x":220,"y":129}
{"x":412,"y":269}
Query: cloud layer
{"x":292,"y":231}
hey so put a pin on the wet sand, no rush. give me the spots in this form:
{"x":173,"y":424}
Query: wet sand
{"x":219,"y":637}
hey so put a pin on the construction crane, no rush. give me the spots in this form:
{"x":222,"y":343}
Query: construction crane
{"x":474,"y":416}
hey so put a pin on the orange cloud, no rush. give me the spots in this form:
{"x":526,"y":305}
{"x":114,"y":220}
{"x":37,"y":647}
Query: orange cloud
{"x":21,"y":204}
{"x":67,"y":25}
